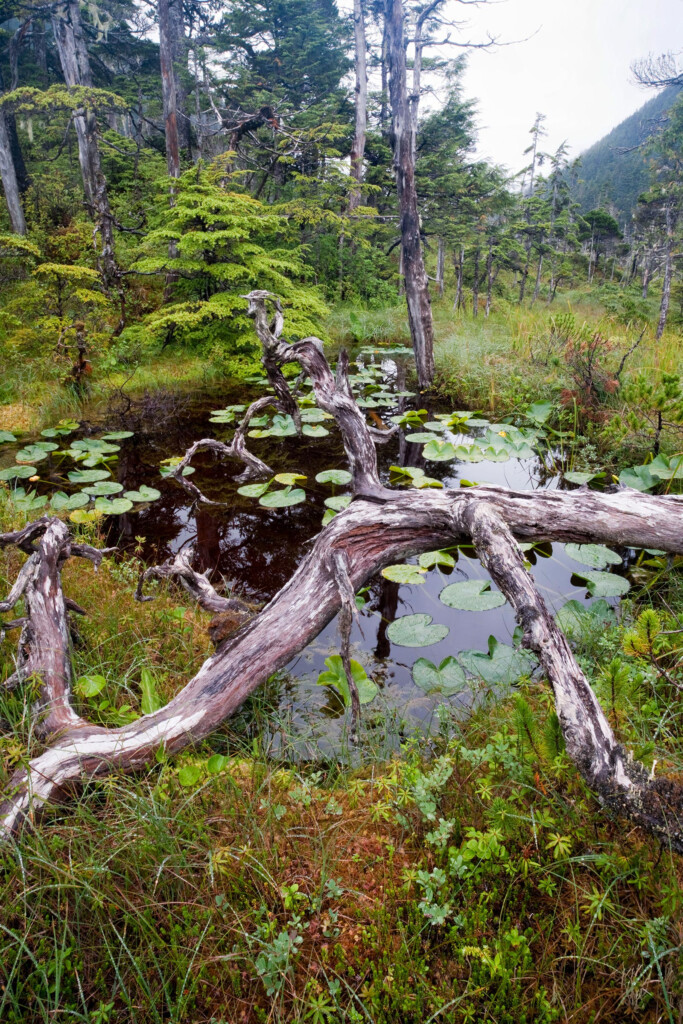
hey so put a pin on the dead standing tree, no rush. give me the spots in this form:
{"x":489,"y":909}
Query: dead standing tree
{"x":379,"y":527}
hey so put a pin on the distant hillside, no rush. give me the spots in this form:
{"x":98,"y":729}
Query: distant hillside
{"x":611,"y":176}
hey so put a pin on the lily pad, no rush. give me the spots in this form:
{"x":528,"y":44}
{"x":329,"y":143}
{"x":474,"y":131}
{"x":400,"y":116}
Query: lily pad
{"x":439,"y":451}
{"x":283,"y":498}
{"x":334,"y":476}
{"x":18,"y":472}
{"x":416,"y":631}
{"x":254,"y":490}
{"x":288,"y":479}
{"x":314,"y":430}
{"x":604,"y":584}
{"x":145,"y":493}
{"x":578,"y":478}
{"x":336,"y":676}
{"x":6,"y":436}
{"x":88,"y":476}
{"x":103,"y":487}
{"x":420,"y":437}
{"x":113,"y":507}
{"x":83,"y":515}
{"x":32,"y":453}
{"x":428,"y":559}
{"x":338,"y":502}
{"x":404,"y":573}
{"x":595,"y":555}
{"x":502,"y":665}
{"x":448,"y":678}
{"x":61,"y":501}
{"x":638,"y":477}
{"x":584,"y":620}
{"x":471,"y":596}
{"x":117,"y":435}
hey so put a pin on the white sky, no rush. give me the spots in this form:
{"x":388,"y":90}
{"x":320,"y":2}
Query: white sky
{"x":575,"y":68}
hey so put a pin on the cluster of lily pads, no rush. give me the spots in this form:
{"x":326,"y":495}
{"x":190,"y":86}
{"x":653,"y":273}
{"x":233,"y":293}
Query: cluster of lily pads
{"x":92,"y":485}
{"x":292,"y":493}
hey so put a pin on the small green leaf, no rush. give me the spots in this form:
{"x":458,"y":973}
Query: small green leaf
{"x":329,"y":516}
{"x":338,"y":502}
{"x":416,"y":631}
{"x":404,"y":573}
{"x":595,"y":555}
{"x":151,"y":700}
{"x":189,"y":775}
{"x":578,"y":478}
{"x":420,"y":437}
{"x":604,"y":584}
{"x":61,"y":501}
{"x":103,"y":487}
{"x":113,"y":507}
{"x":254,"y":490}
{"x":334,"y":476}
{"x":6,"y":436}
{"x":18,"y":472}
{"x":89,"y":686}
{"x":81,"y":515}
{"x":217,"y":763}
{"x":283,"y":498}
{"x":439,"y":451}
{"x":471,"y":596}
{"x":314,"y":430}
{"x":502,"y":665}
{"x":638,"y":477}
{"x":428,"y":559}
{"x":288,"y":479}
{"x":88,"y":476}
{"x":145,"y":493}
{"x":336,"y":676}
{"x":447,"y":679}
{"x":117,"y":435}
{"x":32,"y":453}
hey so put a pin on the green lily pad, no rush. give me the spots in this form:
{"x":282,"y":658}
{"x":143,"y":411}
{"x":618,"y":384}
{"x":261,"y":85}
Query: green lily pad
{"x":585,"y":620}
{"x":6,"y":436}
{"x":313,"y":416}
{"x":314,"y":430}
{"x":416,"y":631}
{"x":289,"y":479}
{"x":420,"y":437}
{"x":82,"y":515}
{"x":579,"y":478}
{"x":336,"y":676}
{"x":439,"y":451}
{"x":471,"y":596}
{"x":428,"y":559}
{"x":61,"y":501}
{"x":117,"y":435}
{"x":502,"y":665}
{"x":254,"y":490}
{"x":540,"y":412}
{"x":88,"y":476}
{"x":448,"y":678}
{"x":283,"y":498}
{"x":32,"y":453}
{"x":18,"y":472}
{"x":404,"y":573}
{"x":638,"y":477}
{"x":93,"y":444}
{"x":145,"y":493}
{"x":339,"y":477}
{"x":113,"y":507}
{"x":103,"y":487}
{"x":30,"y":502}
{"x":604,"y":584}
{"x":339,"y":502}
{"x":595,"y":555}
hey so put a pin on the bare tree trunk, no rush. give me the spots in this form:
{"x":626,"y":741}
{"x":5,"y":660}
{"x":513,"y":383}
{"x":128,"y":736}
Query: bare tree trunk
{"x":169,"y":85}
{"x":475,"y":284}
{"x":361,"y":100}
{"x":73,"y":55}
{"x":416,"y":283}
{"x":668,"y":266}
{"x":537,"y":285}
{"x":489,"y":280}
{"x":440,"y":265}
{"x":10,"y":182}
{"x":458,"y":263}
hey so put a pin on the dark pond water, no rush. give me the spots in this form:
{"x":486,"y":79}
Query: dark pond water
{"x":256,"y":550}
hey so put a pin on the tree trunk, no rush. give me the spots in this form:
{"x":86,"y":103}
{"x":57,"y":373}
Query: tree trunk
{"x":458,"y":263}
{"x":361,"y":101}
{"x":10,"y":183}
{"x":668,"y":266}
{"x":475,"y":284}
{"x":73,"y":55}
{"x":416,"y":283}
{"x":440,"y":265}
{"x":537,"y":285}
{"x":169,"y":85}
{"x":489,"y":280}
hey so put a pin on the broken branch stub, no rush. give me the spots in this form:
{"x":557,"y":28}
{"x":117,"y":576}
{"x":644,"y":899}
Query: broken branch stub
{"x":379,"y":527}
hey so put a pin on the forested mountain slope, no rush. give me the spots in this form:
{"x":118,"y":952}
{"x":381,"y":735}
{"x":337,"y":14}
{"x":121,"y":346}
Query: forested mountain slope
{"x":614,"y":171}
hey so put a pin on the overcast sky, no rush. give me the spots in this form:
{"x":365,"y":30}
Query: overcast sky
{"x":575,"y":68}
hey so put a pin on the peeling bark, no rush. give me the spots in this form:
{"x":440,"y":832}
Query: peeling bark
{"x":379,"y":527}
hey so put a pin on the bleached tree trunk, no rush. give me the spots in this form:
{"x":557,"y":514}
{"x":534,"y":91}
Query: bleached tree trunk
{"x":537,"y":285}
{"x":459,"y":263}
{"x":67,"y":28}
{"x":475,"y":283}
{"x":10,"y":183}
{"x":489,"y":280}
{"x":415,"y":275}
{"x":170,"y":16}
{"x":361,"y":102}
{"x":379,"y":527}
{"x":668,"y":267}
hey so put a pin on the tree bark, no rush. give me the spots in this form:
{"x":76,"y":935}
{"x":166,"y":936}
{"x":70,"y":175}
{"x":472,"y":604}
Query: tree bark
{"x":169,"y":85}
{"x":458,"y":263}
{"x":440,"y":265}
{"x":537,"y":285}
{"x":668,"y":267}
{"x":415,"y":275}
{"x":475,"y":284}
{"x":361,"y":102}
{"x":73,"y":55}
{"x":489,"y":280}
{"x":10,"y":182}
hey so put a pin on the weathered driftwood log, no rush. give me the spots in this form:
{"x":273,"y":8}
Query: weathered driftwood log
{"x":379,"y":527}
